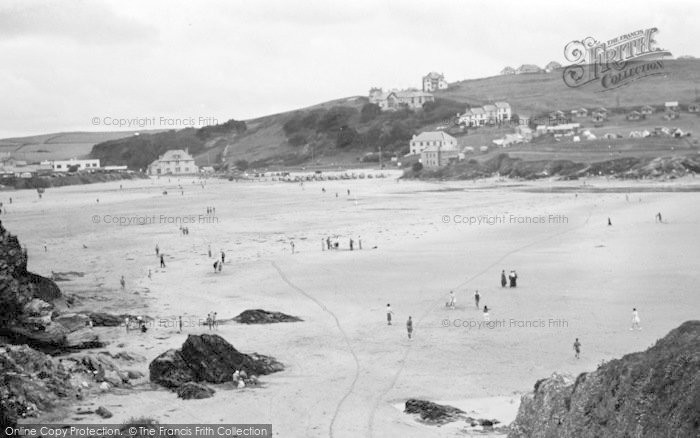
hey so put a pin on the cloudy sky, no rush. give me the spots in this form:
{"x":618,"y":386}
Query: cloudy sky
{"x":65,"y":62}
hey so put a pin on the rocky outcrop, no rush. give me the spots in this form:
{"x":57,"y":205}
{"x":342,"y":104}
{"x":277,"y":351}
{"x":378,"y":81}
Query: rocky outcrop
{"x":432,"y":412}
{"x":506,"y":166}
{"x":259,"y":316}
{"x":27,"y":303}
{"x":192,"y":390}
{"x":32,"y":381}
{"x":207,"y":358}
{"x":655,"y":393}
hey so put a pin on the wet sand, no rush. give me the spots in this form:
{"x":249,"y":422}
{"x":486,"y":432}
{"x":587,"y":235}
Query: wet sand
{"x":346,"y":369}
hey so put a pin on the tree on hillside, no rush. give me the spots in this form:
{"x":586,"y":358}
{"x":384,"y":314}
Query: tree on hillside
{"x":241,"y":165}
{"x":369,"y":112}
{"x":417,"y":167}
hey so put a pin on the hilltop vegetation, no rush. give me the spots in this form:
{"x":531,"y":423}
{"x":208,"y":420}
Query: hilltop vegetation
{"x":349,"y":130}
{"x":138,"y":151}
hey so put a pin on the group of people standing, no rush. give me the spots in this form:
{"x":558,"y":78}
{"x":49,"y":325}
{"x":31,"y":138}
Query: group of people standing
{"x":327,"y":244}
{"x":511,"y":279}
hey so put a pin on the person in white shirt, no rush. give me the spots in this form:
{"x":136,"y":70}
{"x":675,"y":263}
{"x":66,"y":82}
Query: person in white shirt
{"x":635,"y":320}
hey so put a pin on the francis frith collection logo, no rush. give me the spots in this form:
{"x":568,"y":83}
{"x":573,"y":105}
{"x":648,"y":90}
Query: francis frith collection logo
{"x":616,"y":62}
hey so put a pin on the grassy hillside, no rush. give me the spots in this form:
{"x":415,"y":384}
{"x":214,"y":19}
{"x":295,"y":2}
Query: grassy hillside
{"x":59,"y":146}
{"x":344,"y":131}
{"x":532,"y":94}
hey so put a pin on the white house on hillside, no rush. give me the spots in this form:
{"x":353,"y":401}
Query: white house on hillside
{"x":434,"y":81}
{"x":67,"y":165}
{"x":395,"y":99}
{"x":498,"y":112}
{"x":173,"y":162}
{"x":422,"y":141}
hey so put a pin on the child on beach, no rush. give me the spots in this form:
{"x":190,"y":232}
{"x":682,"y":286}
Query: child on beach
{"x":577,"y":348}
{"x":635,"y":320}
{"x":389,"y":312}
{"x":487,"y":318}
{"x":452,"y":303}
{"x":409,"y":327}
{"x":477,"y":297}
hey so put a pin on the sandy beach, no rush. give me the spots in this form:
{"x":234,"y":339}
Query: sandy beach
{"x":346,"y":369}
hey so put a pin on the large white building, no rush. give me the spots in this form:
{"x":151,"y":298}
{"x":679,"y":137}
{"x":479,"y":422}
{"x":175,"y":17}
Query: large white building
{"x":499,"y":112}
{"x":434,"y":81}
{"x":73,"y":165}
{"x":395,"y":99}
{"x":424,"y":140}
{"x":173,"y":162}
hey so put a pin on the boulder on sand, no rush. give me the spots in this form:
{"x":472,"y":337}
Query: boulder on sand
{"x":193,"y":390}
{"x":432,"y":412}
{"x":208,"y":358}
{"x":214,"y":360}
{"x":170,"y":370}
{"x":259,"y":316}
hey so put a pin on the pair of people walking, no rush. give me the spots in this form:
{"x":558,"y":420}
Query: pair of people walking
{"x":409,"y":322}
{"x":511,"y":279}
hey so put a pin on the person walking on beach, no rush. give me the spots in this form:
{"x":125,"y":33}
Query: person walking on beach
{"x":223,"y":256}
{"x":635,"y":320}
{"x":162,"y":261}
{"x":149,"y":274}
{"x":213,"y":320}
{"x":487,"y":318}
{"x":328,"y":242}
{"x":157,"y":250}
{"x":503,"y":278}
{"x":609,"y":222}
{"x":221,"y":266}
{"x":513,"y":276}
{"x":477,"y":297}
{"x":658,"y":217}
{"x":351,"y":244}
{"x":577,"y":348}
{"x":216,"y":266}
{"x":126,"y":323}
{"x":209,"y":251}
{"x":359,"y":242}
{"x":452,"y":303}
{"x":409,"y":327}
{"x":389,"y":312}
{"x":291,"y":244}
{"x":122,"y":282}
{"x":179,"y":324}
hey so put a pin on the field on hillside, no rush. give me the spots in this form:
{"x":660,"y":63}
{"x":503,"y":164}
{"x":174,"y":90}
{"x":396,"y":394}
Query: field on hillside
{"x":533,"y":94}
{"x":61,"y":146}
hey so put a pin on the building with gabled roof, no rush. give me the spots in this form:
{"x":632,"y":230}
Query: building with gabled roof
{"x":427,"y":139}
{"x":173,"y":162}
{"x":434,"y":81}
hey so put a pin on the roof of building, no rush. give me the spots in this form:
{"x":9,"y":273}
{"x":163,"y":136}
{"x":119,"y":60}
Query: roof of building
{"x":175,"y":154}
{"x":434,"y":136}
{"x":477,"y":111}
{"x":488,"y":108}
{"x":435,"y":75}
{"x":502,"y":104}
{"x":671,"y":103}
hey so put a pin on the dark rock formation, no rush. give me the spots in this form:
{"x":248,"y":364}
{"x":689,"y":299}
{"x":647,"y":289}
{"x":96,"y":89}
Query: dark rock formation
{"x":103,"y":412}
{"x":100,"y":319}
{"x":31,"y":381}
{"x":655,"y":393}
{"x":193,"y":390}
{"x":170,"y":370}
{"x":259,"y":316}
{"x":207,"y":358}
{"x":26,"y":300}
{"x":432,"y":412}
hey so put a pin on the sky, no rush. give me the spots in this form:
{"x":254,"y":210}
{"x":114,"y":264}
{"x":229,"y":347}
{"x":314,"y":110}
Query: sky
{"x":72,"y":65}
